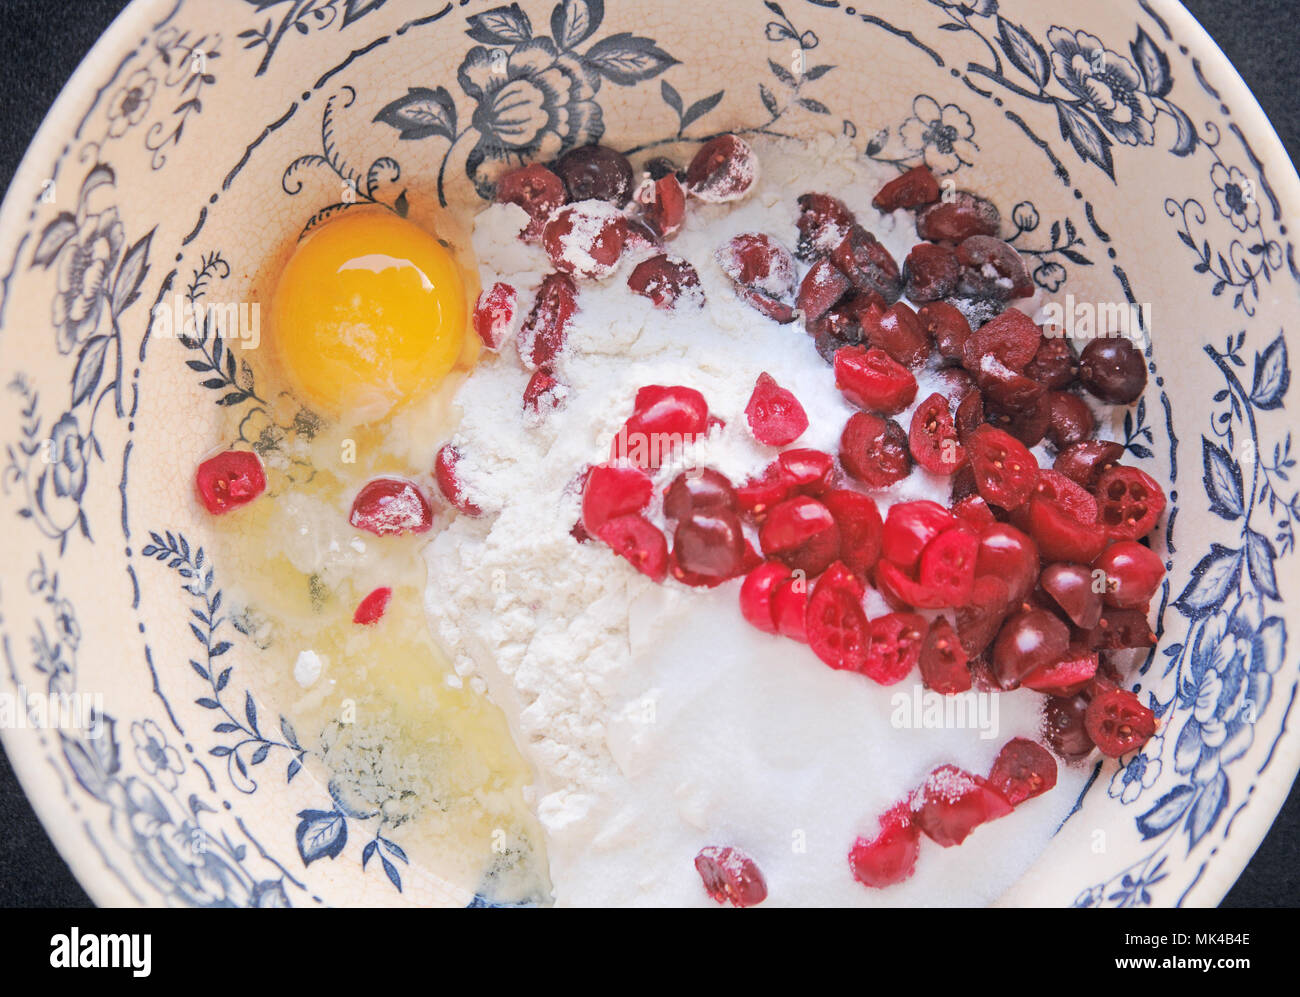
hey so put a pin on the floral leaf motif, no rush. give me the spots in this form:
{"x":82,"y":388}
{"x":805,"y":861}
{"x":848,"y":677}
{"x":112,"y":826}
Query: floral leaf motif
{"x":1153,"y":64}
{"x":769,"y":101}
{"x":1024,"y":52}
{"x":421,"y":113}
{"x":1188,"y":138}
{"x":1260,"y":556}
{"x":321,"y":834}
{"x":90,"y":367}
{"x":816,"y":106}
{"x":354,"y":10}
{"x":501,"y":26}
{"x":626,"y":59}
{"x":701,"y":107}
{"x":781,"y":73}
{"x":671,"y":97}
{"x":131,"y":273}
{"x":1207,"y":808}
{"x":53,"y":238}
{"x":574,"y":21}
{"x":1222,"y":479}
{"x":1272,"y":376}
{"x":1085,"y":136}
{"x":87,"y":767}
{"x":1212,"y":580}
{"x":1168,"y":809}
{"x":101,"y":174}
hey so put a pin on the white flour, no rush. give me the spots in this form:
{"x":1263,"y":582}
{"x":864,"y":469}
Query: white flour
{"x":657,"y":720}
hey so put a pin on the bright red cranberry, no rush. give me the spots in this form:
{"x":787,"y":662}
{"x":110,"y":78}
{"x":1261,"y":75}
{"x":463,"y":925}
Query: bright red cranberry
{"x":947,"y":327}
{"x":943,"y":660}
{"x":596,"y":172}
{"x":665,"y":280}
{"x":951,"y":803}
{"x":1061,"y":535}
{"x":699,"y":490}
{"x":585,"y":238}
{"x":535,"y":189}
{"x":867,"y":264}
{"x":763,"y":273}
{"x":388,"y":506}
{"x":909,"y":528}
{"x":930,"y":272}
{"x":543,"y":392}
{"x":371,"y":609}
{"x":1129,"y":503}
{"x":1005,"y":472}
{"x":1009,"y":554}
{"x":860,"y":526}
{"x":494,"y":315}
{"x":444,"y":473}
{"x":1118,"y":723}
{"x":933,"y":437}
{"x":613,"y":490}
{"x":1067,"y":675}
{"x":1070,"y":587}
{"x":874,"y":450}
{"x":1064,"y":728}
{"x":1056,"y":487}
{"x":663,"y":418}
{"x":836,"y":623}
{"x":802,"y":533}
{"x":1054,"y":365}
{"x":993,"y":268}
{"x":228,"y":480}
{"x":790,"y":608}
{"x":1028,"y":640}
{"x":638,"y":541}
{"x":979,"y":621}
{"x":895,"y":647}
{"x":1070,"y":420}
{"x":709,"y":547}
{"x":823,"y":223}
{"x":873,"y":380}
{"x":758,"y":495}
{"x":914,"y":189}
{"x":730,"y":877}
{"x":947,"y":569}
{"x":1023,"y":769}
{"x":958,"y":218}
{"x":774,"y":414}
{"x":1086,"y":461}
{"x":810,"y":472}
{"x":975,"y":512}
{"x":724,"y":169}
{"x":821,"y":289}
{"x":756,"y":594}
{"x":1133,"y":574}
{"x":664,"y":205}
{"x":1114,"y":370}
{"x":889,"y":857}
{"x":543,"y":333}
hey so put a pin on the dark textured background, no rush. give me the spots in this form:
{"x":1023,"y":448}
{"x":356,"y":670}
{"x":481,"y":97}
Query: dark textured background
{"x":44,"y":40}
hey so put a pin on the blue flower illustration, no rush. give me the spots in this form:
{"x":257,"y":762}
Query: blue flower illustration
{"x":1107,"y":82}
{"x":942,"y":135}
{"x":1141,"y":772}
{"x":67,"y":458}
{"x":85,"y":274}
{"x":1234,"y":197}
{"x":155,"y":755}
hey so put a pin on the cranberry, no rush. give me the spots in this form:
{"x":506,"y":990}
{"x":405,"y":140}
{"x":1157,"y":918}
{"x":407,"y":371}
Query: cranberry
{"x":1006,"y":389}
{"x":663,"y":418}
{"x":639,"y":542}
{"x":585,"y":238}
{"x":889,"y":857}
{"x":1061,"y":535}
{"x":802,"y":533}
{"x":543,"y":333}
{"x":947,"y":569}
{"x":914,"y":189}
{"x":543,"y":392}
{"x":371,"y":609}
{"x":874,"y":450}
{"x":774,"y":414}
{"x":1069,"y":419}
{"x":943,"y":659}
{"x":969,"y":417}
{"x":613,"y":490}
{"x":790,"y":608}
{"x":699,"y":490}
{"x":661,"y":166}
{"x":1121,"y":629}
{"x":1066,"y":676}
{"x":910,"y":527}
{"x":1028,"y":640}
{"x":951,"y":803}
{"x":1023,"y":769}
{"x":387,"y":506}
{"x":535,"y":189}
{"x":894,"y":648}
{"x":1028,"y":425}
{"x":993,"y":269}
{"x":810,"y":472}
{"x":837,"y":627}
{"x":897,"y":331}
{"x":444,"y":473}
{"x":763,"y":273}
{"x":494,"y":315}
{"x":1070,"y":587}
{"x":822,"y":287}
{"x":1129,"y":503}
{"x":933,"y":437}
{"x":756,"y":594}
{"x":731,"y":876}
{"x":872,"y":379}
{"x":724,"y":169}
{"x":1086,"y":461}
{"x":1009,"y":554}
{"x":1056,"y":487}
{"x":823,"y":223}
{"x":867,"y":264}
{"x":665,"y":280}
{"x":860,"y":526}
{"x":663,"y":203}
{"x":708,"y":547}
{"x":1005,"y":472}
{"x":1054,"y":365}
{"x":1133,"y":574}
{"x":958,"y":218}
{"x":974,"y":511}
{"x":758,"y":495}
{"x":1114,"y":370}
{"x":980,"y":619}
{"x":930,"y":272}
{"x":947,"y":327}
{"x":1012,"y":338}
{"x":596,"y":172}
{"x":1064,"y":728}
{"x":1118,"y":723}
{"x":228,"y":480}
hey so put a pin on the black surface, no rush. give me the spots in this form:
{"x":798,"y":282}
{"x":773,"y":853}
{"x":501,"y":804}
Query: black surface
{"x":44,"y":40}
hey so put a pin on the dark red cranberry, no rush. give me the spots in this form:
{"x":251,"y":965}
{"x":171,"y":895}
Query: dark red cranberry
{"x":914,"y":189}
{"x":930,"y":272}
{"x":1070,"y":420}
{"x":874,"y":450}
{"x":535,"y":189}
{"x":958,"y":218}
{"x":1085,"y":462}
{"x":1064,"y":728}
{"x":868,"y":265}
{"x":1070,"y":587}
{"x":723,"y":169}
{"x":699,"y":490}
{"x":596,"y":172}
{"x":823,"y":223}
{"x":1054,"y":364}
{"x":993,"y":269}
{"x":665,"y":280}
{"x":897,"y":331}
{"x":947,"y":328}
{"x":1114,"y":370}
{"x":708,"y":547}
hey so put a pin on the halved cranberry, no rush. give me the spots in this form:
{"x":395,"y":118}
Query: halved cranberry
{"x":444,"y":473}
{"x":909,"y":529}
{"x":1133,"y":574}
{"x":762,"y":271}
{"x":872,"y":379}
{"x":823,"y":223}
{"x":969,"y":417}
{"x":535,"y":189}
{"x":1023,"y":769}
{"x":663,"y":418}
{"x":228,"y":480}
{"x":638,"y":541}
{"x":1069,"y":419}
{"x":596,"y":172}
{"x":1064,"y":728}
{"x":1086,"y":461}
{"x":860,"y":526}
{"x":974,"y":511}
{"x":774,"y":414}
{"x":1054,"y":364}
{"x":933,"y":437}
{"x":1005,"y":472}
{"x":1011,"y":337}
{"x":1004,"y":388}
{"x":1113,"y":370}
{"x":372,"y":608}
{"x":663,"y":202}
{"x":913,"y":189}
{"x":543,"y":333}
{"x":1056,"y":487}
{"x":390,"y":505}
{"x":836,"y":623}
{"x":822,"y":287}
{"x":1121,"y":629}
{"x":1129,"y":503}
{"x":699,"y":490}
{"x":585,"y":238}
{"x":930,"y":272}
{"x":1028,"y":640}
{"x":756,"y":594}
{"x":758,"y":495}
{"x":1118,"y":722}
{"x":958,"y":218}
{"x":494,"y":315}
{"x":1028,"y":425}
{"x":802,"y":533}
{"x":897,"y":331}
{"x":889,"y":857}
{"x":867,"y":264}
{"x":980,"y":619}
{"x":947,"y":568}
{"x":665,"y":280}
{"x":611,"y":491}
{"x":993,"y":269}
{"x":943,"y":659}
{"x":874,"y":450}
{"x":1065,"y":676}
{"x":1062,"y":536}
{"x":708,"y":547}
{"x":790,"y":608}
{"x":895,"y":647}
{"x":731,"y":876}
{"x":724,"y":169}
{"x":947,"y":327}
{"x":1009,"y":554}
{"x":810,"y":472}
{"x":951,"y":803}
{"x":1070,"y":587}
{"x":543,"y":392}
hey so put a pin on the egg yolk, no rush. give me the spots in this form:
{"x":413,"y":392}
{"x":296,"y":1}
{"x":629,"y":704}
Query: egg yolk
{"x":369,"y":313}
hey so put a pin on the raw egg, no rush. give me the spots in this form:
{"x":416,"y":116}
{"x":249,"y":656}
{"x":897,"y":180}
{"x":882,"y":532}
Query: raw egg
{"x":369,"y":313}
